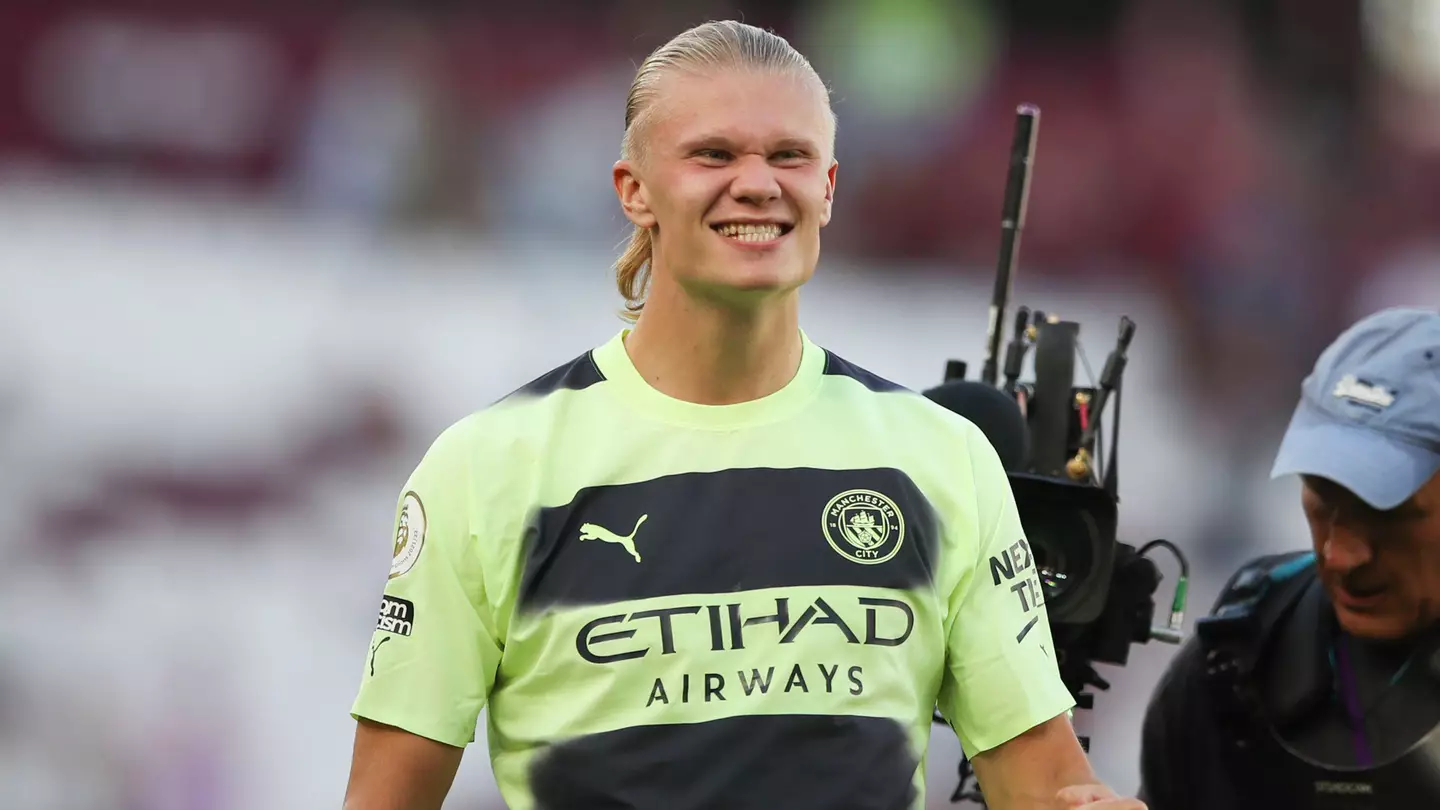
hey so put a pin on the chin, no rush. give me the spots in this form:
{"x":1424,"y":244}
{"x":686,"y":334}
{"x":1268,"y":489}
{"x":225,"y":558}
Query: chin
{"x":776,"y":283}
{"x":759,"y":278}
{"x":1375,"y":626}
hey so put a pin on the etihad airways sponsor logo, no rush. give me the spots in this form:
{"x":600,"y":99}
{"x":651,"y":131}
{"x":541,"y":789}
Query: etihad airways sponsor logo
{"x":723,"y":626}
{"x":871,"y":621}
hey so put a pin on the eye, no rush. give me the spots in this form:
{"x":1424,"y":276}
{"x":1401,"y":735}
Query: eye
{"x":713,"y":155}
{"x":1316,"y":509}
{"x":1402,"y":516}
{"x":790,"y":156}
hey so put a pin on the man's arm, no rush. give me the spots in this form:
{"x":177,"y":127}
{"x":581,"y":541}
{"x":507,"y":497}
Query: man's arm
{"x":396,"y":770}
{"x":435,"y":652}
{"x":1001,"y":689}
{"x":1032,"y":769}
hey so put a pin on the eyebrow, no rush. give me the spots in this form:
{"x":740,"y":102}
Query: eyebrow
{"x":1410,"y":509}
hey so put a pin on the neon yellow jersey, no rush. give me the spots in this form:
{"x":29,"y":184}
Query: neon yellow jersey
{"x":671,"y":605}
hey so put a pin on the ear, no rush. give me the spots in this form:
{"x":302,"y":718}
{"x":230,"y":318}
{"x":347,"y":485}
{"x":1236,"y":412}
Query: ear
{"x":632,"y":194}
{"x":829,"y":193}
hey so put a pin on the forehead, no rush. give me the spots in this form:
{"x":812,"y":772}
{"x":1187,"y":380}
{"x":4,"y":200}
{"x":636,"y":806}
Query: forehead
{"x":749,"y":109}
{"x":1424,"y":502}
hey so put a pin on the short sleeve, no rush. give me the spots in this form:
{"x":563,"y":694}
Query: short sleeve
{"x":1001,"y":677}
{"x":435,"y":650}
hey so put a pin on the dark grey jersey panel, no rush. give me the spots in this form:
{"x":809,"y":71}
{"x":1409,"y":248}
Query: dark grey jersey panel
{"x":577,"y":375}
{"x":796,"y":762}
{"x":837,"y":366}
{"x":730,"y":531}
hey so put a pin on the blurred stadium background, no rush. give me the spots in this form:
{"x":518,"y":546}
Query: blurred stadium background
{"x":256,"y":255}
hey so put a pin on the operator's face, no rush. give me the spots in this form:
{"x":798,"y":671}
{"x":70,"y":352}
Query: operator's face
{"x":736,"y":180}
{"x":1381,"y":569}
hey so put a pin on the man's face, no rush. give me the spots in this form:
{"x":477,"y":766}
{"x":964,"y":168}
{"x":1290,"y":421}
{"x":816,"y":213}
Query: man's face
{"x":736,"y":177}
{"x":1381,"y":569}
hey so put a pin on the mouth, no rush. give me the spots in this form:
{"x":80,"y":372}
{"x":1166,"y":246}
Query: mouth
{"x":756,"y":233}
{"x":1355,"y":597}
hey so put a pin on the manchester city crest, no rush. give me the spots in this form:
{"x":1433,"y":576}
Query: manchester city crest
{"x":864,"y":526}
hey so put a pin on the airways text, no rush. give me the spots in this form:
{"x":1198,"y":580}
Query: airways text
{"x":715,"y":686}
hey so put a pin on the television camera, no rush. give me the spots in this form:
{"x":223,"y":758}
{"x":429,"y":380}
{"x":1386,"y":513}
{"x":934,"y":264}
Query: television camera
{"x":1098,"y":591}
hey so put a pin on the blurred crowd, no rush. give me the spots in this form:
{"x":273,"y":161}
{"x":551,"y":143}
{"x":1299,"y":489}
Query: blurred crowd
{"x":1265,"y":171}
{"x":1256,"y":161}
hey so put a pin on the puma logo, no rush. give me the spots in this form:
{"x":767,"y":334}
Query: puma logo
{"x":374,"y":650}
{"x":592,"y":531}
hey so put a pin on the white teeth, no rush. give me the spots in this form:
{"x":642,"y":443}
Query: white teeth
{"x":750,"y":233}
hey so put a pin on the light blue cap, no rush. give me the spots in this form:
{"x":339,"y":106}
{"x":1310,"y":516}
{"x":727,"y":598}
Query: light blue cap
{"x":1369,"y":413}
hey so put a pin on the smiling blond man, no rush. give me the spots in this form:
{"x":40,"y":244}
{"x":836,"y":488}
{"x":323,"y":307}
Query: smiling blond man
{"x":792,"y":567}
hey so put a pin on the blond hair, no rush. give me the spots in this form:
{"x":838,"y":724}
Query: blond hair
{"x":708,"y":47}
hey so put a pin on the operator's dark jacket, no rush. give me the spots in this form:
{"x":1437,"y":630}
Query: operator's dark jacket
{"x":1182,"y":765}
{"x":1187,"y":761}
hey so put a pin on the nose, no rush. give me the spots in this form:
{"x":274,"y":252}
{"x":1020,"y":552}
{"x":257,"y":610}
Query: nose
{"x":754,"y":181}
{"x":1343,"y":549}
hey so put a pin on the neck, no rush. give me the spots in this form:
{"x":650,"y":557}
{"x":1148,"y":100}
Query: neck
{"x":712,"y":353}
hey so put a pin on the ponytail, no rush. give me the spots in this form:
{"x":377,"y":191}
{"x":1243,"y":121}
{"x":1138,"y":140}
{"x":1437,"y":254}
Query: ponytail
{"x":632,"y":272}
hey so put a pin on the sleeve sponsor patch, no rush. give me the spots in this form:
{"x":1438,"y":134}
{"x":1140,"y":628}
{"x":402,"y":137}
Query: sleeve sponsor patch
{"x":1014,"y":569}
{"x":396,"y":616}
{"x":409,"y":535}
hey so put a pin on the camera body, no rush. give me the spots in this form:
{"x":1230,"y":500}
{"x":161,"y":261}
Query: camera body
{"x":1098,"y":592}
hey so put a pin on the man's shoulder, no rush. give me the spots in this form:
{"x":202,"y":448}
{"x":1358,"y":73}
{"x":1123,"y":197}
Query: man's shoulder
{"x":1261,"y":575}
{"x":917,"y":410}
{"x":1253,"y":578}
{"x":1185,"y":761}
{"x":576,"y":374}
{"x":837,"y":366}
{"x":519,"y":416}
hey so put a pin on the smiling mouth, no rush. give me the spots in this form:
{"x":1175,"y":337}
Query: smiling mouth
{"x":1363,"y":593}
{"x":1360,"y":597}
{"x":752,"y":232}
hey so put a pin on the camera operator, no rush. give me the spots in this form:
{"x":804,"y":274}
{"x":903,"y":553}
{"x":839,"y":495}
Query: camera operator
{"x":1315,"y":682}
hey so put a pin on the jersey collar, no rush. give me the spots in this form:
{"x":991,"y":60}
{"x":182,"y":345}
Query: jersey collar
{"x":615,"y":364}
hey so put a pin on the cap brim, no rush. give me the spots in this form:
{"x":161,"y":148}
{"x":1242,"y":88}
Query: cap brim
{"x":1381,"y":471}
